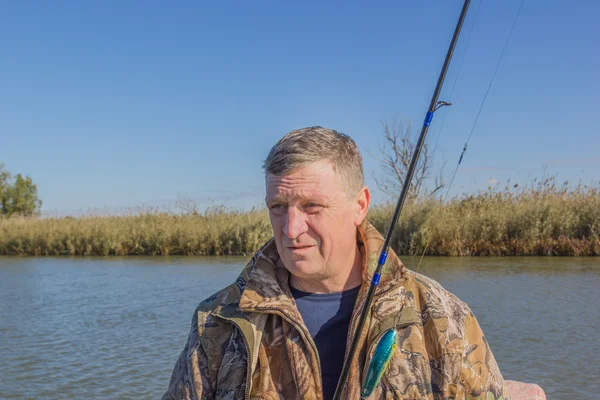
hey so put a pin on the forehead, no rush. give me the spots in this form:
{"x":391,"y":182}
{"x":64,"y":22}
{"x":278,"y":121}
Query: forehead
{"x":313,"y":180}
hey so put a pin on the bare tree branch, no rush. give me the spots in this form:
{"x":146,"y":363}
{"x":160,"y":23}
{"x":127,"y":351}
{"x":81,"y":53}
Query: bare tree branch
{"x":395,"y":156}
{"x":187,"y":205}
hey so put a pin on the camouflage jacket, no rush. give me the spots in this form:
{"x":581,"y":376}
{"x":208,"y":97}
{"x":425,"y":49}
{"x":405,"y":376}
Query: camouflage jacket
{"x":248,"y":341}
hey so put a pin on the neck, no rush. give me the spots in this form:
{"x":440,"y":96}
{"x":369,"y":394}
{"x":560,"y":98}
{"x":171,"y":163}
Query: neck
{"x":347,"y":278}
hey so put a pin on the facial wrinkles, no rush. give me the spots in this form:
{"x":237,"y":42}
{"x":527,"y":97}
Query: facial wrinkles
{"x":297,"y":225}
{"x":294,"y":192}
{"x":326,"y":225}
{"x":295,"y":187}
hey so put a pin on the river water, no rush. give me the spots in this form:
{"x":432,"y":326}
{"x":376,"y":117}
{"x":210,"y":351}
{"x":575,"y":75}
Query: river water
{"x":108,"y":328}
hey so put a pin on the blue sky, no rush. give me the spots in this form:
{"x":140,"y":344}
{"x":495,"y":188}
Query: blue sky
{"x":111,"y":105}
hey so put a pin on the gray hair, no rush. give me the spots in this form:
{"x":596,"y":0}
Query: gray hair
{"x":301,"y":147}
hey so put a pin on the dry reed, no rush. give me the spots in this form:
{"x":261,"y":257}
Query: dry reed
{"x":540,"y":220}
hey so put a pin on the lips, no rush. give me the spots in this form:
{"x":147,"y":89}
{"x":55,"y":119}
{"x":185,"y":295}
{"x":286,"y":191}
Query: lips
{"x":298,"y":248}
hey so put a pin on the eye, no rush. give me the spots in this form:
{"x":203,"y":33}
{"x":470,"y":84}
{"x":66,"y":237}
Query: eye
{"x":277,"y":209}
{"x":313,"y":207}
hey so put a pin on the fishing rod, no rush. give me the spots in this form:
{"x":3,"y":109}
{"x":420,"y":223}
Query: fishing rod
{"x":433,"y":106}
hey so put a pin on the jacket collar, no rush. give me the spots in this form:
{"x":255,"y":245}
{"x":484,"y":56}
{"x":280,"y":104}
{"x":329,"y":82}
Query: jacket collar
{"x":267,"y":287}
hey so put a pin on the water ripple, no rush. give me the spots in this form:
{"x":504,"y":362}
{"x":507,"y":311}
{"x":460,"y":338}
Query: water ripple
{"x":76,"y":328}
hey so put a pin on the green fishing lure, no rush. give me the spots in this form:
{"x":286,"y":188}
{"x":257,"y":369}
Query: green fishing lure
{"x":381,"y":358}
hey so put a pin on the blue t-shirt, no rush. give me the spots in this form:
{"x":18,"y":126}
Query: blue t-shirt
{"x":327,"y":317}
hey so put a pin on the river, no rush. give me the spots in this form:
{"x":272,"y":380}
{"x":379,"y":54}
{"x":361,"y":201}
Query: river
{"x":107,"y":328}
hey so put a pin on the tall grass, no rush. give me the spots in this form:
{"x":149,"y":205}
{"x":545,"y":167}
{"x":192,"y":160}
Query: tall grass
{"x":543,"y":219}
{"x":216,"y":232}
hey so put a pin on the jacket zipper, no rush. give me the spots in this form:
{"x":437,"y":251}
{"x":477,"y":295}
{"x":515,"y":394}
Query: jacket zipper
{"x":308,"y":338}
{"x":369,"y":357}
{"x":353,"y":322}
{"x":306,"y":335}
{"x":248,"y":363}
{"x":353,"y":325}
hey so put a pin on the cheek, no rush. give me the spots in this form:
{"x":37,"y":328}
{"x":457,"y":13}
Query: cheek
{"x":276,"y":224}
{"x":341,"y":232}
{"x":327,"y":232}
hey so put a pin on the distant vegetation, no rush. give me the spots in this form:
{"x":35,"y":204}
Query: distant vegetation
{"x":541,"y":220}
{"x":545,"y":219}
{"x":18,"y":195}
{"x":216,"y":232}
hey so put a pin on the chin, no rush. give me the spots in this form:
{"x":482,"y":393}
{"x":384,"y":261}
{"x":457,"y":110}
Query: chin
{"x":300,"y":268}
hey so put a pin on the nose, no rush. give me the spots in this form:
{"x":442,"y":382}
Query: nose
{"x":295,"y":223}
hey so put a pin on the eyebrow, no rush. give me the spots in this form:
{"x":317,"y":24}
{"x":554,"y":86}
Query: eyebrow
{"x":278,"y":198}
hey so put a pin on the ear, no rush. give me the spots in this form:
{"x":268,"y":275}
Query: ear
{"x":361,"y":205}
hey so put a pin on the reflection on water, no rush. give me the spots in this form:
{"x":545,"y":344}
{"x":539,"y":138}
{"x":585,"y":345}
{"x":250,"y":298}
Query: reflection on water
{"x":113,"y":327}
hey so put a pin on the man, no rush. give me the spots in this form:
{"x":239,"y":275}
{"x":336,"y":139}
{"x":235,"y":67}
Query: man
{"x":282,"y":329}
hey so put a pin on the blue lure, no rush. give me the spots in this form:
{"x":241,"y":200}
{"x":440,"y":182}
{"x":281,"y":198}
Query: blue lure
{"x":381,"y":358}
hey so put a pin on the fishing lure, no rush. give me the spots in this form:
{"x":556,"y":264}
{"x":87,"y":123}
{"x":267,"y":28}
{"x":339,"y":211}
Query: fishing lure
{"x":379,"y":362}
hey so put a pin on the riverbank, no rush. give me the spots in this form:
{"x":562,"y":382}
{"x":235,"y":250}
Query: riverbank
{"x":543,"y":221}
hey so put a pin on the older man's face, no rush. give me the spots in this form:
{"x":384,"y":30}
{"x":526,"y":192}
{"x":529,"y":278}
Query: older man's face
{"x":314,"y":221}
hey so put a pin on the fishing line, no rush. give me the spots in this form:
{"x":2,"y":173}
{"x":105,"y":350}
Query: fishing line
{"x":462,"y":60}
{"x":496,"y":69}
{"x":433,"y":106}
{"x":475,"y":122}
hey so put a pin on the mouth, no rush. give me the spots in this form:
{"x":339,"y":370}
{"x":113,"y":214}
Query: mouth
{"x":299,"y":248}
